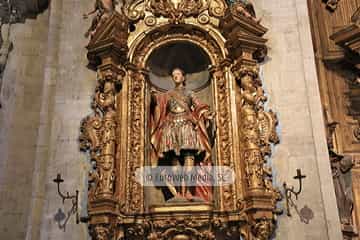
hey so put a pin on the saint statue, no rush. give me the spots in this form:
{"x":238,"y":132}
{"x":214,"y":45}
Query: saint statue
{"x":180,"y":125}
{"x":103,"y":10}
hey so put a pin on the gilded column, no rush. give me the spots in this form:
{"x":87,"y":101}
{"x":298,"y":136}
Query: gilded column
{"x":252,"y":98}
{"x":100,"y":135}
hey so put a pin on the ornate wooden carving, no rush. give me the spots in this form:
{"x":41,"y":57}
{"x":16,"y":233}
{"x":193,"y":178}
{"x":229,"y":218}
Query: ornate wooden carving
{"x":348,"y":38}
{"x":341,"y":169}
{"x":115,"y":134}
{"x":336,"y":43}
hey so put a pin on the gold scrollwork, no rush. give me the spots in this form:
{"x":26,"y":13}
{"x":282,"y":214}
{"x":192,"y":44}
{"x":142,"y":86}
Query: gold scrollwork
{"x":150,"y":21}
{"x":175,"y":11}
{"x":114,"y":134}
{"x":136,"y":131}
{"x":203,"y":18}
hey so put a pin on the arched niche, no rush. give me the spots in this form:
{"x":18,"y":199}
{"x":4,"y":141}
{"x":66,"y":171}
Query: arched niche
{"x":166,"y":48}
{"x":182,"y":54}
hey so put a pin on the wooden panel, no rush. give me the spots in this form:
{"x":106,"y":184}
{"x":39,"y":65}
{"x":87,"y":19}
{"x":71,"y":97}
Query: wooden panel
{"x":327,"y":22}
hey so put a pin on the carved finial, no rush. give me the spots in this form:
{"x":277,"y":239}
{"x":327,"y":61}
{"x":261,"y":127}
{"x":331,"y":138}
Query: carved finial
{"x":103,"y":9}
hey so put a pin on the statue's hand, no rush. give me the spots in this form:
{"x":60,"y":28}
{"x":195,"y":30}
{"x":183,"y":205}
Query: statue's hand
{"x":153,"y":91}
{"x":209,"y":115}
{"x":85,"y":16}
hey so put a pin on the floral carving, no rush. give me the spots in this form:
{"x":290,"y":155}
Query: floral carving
{"x":175,"y":11}
{"x":263,"y":229}
{"x":136,"y":110}
{"x":225,"y":142}
{"x":98,"y":135}
{"x":163,"y":8}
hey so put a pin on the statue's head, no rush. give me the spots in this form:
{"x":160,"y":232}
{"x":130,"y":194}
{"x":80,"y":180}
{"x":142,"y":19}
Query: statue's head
{"x":178,"y":76}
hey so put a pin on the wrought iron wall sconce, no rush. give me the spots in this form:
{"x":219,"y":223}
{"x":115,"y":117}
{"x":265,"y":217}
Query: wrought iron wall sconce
{"x":289,"y":190}
{"x":74,"y":198}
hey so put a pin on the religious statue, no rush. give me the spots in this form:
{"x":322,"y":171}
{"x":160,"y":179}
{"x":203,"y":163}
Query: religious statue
{"x":103,"y":10}
{"x":341,"y":169}
{"x":180,"y":125}
{"x":245,"y":8}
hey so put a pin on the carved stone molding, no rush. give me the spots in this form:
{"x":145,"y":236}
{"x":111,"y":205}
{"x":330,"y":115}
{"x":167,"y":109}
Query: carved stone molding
{"x":115,"y":134}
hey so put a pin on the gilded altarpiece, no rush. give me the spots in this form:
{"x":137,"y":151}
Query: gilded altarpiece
{"x":335,"y":27}
{"x":116,"y":135}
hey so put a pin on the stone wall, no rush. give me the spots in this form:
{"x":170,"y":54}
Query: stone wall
{"x":290,"y":79}
{"x":19,"y":119}
{"x":67,"y":92}
{"x":48,"y":89}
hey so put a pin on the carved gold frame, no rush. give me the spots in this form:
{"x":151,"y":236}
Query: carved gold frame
{"x":115,"y":134}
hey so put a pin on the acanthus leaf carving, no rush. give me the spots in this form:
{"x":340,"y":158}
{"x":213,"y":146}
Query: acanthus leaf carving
{"x":101,"y":232}
{"x":98,"y":136}
{"x":136,"y":110}
{"x":175,"y":11}
{"x":225,"y":141}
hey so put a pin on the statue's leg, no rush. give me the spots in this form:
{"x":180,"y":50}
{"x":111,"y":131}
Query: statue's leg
{"x":189,"y":162}
{"x":176,"y":171}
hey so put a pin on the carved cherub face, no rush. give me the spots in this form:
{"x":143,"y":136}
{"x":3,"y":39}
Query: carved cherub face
{"x":178,"y":76}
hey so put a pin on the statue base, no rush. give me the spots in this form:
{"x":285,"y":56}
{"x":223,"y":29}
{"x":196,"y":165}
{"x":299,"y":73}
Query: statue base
{"x":183,"y":206}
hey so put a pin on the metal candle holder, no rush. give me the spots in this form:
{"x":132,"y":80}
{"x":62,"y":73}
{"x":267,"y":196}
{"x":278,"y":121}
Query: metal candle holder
{"x":290,"y":190}
{"x":73,"y":198}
